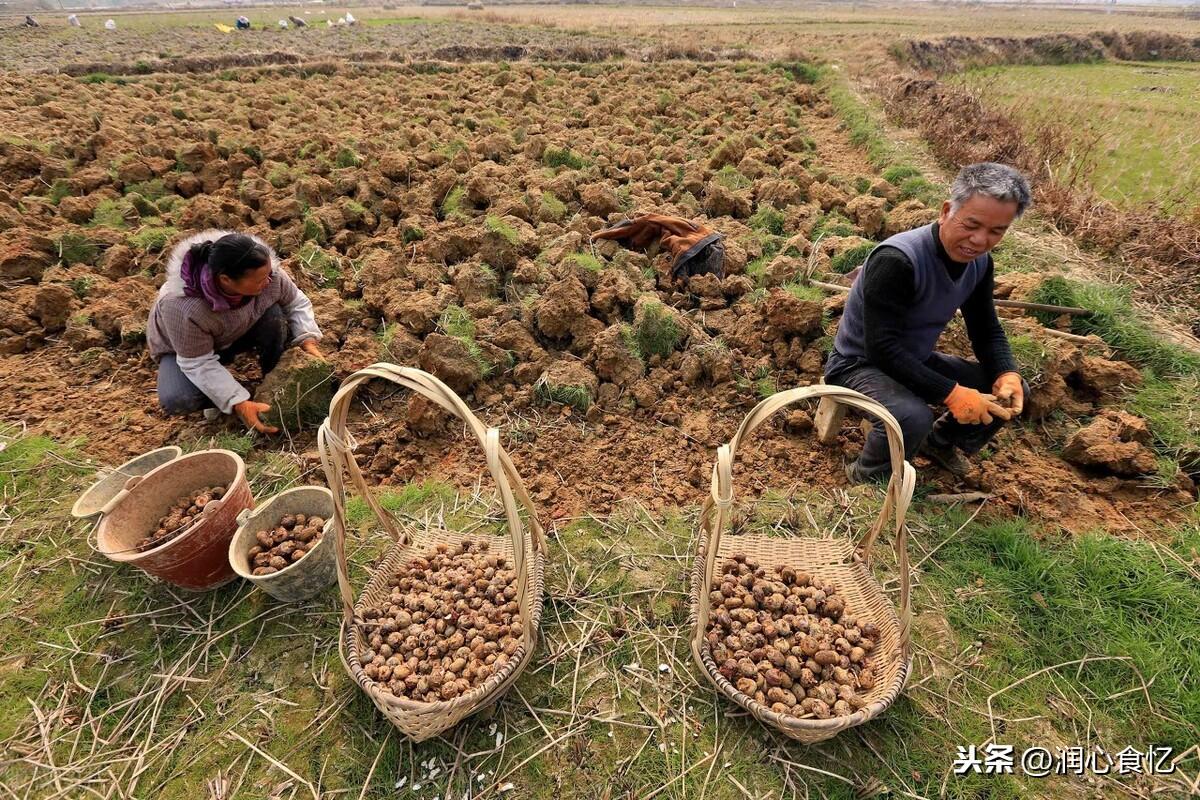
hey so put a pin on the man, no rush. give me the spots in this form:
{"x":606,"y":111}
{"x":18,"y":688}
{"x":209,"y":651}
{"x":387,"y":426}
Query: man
{"x":907,"y":292}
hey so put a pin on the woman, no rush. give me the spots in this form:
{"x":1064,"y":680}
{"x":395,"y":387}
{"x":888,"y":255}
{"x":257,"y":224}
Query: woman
{"x":225,"y":294}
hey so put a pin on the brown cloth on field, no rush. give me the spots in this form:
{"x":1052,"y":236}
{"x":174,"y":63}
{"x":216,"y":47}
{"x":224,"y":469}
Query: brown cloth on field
{"x":695,"y":249}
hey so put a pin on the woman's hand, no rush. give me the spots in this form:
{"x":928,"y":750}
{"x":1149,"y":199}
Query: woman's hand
{"x":309,"y":346}
{"x":249,"y":410}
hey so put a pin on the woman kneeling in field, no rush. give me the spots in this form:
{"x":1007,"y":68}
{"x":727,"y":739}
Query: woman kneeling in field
{"x":225,"y":294}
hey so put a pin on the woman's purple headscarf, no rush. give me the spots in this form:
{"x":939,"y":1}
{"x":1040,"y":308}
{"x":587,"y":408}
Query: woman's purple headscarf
{"x":199,"y":281}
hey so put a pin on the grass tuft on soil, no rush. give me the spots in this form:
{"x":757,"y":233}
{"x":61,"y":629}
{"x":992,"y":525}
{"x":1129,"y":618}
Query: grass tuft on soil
{"x":502,"y":229}
{"x":552,"y":207}
{"x":153,"y":239}
{"x":656,"y":330}
{"x":849,"y":260}
{"x":555,"y":157}
{"x":75,"y":248}
{"x":457,"y":322}
{"x":1114,"y":320}
{"x":577,"y":397}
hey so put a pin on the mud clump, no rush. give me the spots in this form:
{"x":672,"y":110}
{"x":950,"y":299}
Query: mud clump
{"x":1115,"y":442}
{"x":449,"y":358}
{"x":561,"y":308}
{"x":615,"y":356}
{"x":298,"y":390}
{"x":789,"y":315}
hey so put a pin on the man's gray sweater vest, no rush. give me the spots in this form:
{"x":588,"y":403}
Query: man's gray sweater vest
{"x":937,"y":297}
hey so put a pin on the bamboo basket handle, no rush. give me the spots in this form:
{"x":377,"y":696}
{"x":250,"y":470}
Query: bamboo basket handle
{"x":715,"y":512}
{"x":336,"y":448}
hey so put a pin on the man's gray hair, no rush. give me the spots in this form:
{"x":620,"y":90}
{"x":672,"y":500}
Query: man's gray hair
{"x":997,"y":181}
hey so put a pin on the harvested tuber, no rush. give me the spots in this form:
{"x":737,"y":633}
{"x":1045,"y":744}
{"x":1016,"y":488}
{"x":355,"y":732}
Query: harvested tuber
{"x":284,"y":544}
{"x":180,"y":516}
{"x":450,"y":622}
{"x":786,"y":640}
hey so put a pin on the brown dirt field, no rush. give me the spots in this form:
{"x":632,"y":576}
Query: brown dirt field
{"x":395,"y":194}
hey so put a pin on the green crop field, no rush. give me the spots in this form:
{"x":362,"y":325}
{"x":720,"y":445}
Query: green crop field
{"x":1135,"y":123}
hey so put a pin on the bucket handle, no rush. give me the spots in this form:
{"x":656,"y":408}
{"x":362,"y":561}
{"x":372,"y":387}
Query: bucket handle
{"x":120,"y":496}
{"x":336,"y":445}
{"x":717,"y":507}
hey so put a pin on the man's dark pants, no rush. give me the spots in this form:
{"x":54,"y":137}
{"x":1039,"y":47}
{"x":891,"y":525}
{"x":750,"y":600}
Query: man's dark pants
{"x":914,"y":415}
{"x":268,"y":337}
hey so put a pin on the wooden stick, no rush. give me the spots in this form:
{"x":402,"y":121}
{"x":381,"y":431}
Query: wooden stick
{"x":1074,"y":311}
{"x":1072,"y":337}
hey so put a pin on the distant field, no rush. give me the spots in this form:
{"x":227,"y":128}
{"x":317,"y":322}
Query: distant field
{"x":1143,"y":118}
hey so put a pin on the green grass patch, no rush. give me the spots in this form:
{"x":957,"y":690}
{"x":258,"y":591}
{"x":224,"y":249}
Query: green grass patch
{"x":502,"y":229}
{"x":552,"y":207}
{"x":556,"y":158}
{"x":833,"y":224}
{"x":1050,"y":600}
{"x":111,"y":213}
{"x":346,"y":157}
{"x":153,"y":239}
{"x":729,"y":177}
{"x":799,"y":71}
{"x":1114,"y":320}
{"x":901,"y":172}
{"x":82,"y":287}
{"x":851,"y":259}
{"x":656,"y":330}
{"x":411,"y":498}
{"x":587,"y":261}
{"x":1132,"y":124}
{"x":769,"y":219}
{"x":324,"y":267}
{"x":313,"y":230}
{"x":920,"y":188}
{"x":458,"y":323}
{"x":75,"y":248}
{"x":279,"y":176}
{"x":802,"y":292}
{"x":577,"y":397}
{"x":1031,"y":355}
{"x":452,"y":204}
{"x":58,"y":190}
{"x":1169,"y":407}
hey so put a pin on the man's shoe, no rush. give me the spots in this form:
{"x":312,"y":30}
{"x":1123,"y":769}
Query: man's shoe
{"x":947,"y":457}
{"x":854,"y":474}
{"x":211,"y":413}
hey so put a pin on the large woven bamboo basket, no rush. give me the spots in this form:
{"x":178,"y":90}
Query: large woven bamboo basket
{"x":838,"y":560}
{"x":524,"y":547}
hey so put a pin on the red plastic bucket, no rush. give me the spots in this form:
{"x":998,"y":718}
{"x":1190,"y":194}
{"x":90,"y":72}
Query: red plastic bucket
{"x":199,"y":558}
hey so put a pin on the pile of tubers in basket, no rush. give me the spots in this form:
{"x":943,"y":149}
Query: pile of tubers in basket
{"x":787,"y":641}
{"x":285,"y":544}
{"x":180,"y":516}
{"x":450,"y":621}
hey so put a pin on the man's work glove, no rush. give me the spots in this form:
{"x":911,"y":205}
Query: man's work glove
{"x":249,"y":410}
{"x":971,"y":407}
{"x":1008,"y":389}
